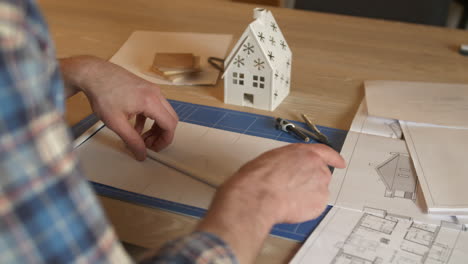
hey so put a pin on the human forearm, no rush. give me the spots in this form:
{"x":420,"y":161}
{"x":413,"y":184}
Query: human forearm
{"x":75,"y":72}
{"x":285,"y":185}
{"x":241,"y":224}
{"x":117,"y":95}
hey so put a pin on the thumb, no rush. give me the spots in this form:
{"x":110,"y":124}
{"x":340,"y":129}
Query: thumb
{"x":121,"y":126}
{"x":330,"y":156}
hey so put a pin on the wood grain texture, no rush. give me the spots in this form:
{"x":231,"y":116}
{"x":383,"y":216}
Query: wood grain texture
{"x":332,"y":56}
{"x":261,"y":2}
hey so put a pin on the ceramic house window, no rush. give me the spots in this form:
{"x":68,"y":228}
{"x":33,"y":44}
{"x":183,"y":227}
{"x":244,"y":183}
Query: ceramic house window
{"x":238,"y":78}
{"x":258,"y":81}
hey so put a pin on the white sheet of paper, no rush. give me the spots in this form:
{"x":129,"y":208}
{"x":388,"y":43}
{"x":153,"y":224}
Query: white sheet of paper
{"x":378,"y":236}
{"x":137,"y":53}
{"x":106,"y":160}
{"x":378,"y":172}
{"x":439,"y":155}
{"x":378,"y":126}
{"x":435,"y":103}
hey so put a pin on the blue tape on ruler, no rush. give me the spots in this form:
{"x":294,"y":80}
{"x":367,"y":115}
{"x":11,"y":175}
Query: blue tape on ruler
{"x":234,"y":121}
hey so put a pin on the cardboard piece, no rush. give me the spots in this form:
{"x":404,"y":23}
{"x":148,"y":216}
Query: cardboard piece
{"x":439,"y":157}
{"x":258,"y":69}
{"x":433,"y":103}
{"x":137,"y":53}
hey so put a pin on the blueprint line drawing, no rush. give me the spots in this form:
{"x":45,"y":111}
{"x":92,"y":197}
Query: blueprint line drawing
{"x":399,"y":176}
{"x":375,"y":236}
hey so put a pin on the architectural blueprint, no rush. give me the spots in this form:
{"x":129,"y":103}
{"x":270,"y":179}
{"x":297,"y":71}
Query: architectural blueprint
{"x":399,"y":177}
{"x":374,"y":236}
{"x":379,"y":214}
{"x":379,"y":171}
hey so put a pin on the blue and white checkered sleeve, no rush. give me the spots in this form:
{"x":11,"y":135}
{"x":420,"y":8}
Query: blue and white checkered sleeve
{"x":198,"y":247}
{"x":48,"y":212}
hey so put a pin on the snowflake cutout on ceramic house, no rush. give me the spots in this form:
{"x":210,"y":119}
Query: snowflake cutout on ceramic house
{"x":283,"y":44}
{"x":249,"y":48}
{"x":261,"y":36}
{"x":272,"y":40}
{"x":259,"y":64}
{"x":258,"y":68}
{"x":239,"y":61}
{"x":274,"y":27}
{"x":270,"y":55}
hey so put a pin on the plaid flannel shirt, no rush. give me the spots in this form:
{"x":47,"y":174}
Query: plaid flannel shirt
{"x":48,"y":212}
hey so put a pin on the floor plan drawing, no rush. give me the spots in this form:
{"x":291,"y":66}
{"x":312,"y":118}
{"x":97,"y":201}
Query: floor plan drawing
{"x":376,"y":236}
{"x":399,"y":176}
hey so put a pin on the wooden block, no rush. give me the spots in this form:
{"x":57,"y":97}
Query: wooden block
{"x":173,"y":61}
{"x":175,"y":75}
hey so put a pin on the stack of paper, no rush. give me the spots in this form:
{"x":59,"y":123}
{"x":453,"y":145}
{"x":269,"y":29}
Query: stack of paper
{"x":434,"y":120}
{"x":403,"y":196}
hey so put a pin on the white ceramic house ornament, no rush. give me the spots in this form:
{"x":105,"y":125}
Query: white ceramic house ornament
{"x":258,"y":70}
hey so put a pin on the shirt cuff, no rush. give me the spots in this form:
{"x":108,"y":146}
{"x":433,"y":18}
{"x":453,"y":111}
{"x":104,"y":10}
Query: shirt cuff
{"x":198,"y":247}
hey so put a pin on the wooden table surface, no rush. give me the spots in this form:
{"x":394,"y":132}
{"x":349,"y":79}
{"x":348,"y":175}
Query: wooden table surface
{"x":332,"y":56}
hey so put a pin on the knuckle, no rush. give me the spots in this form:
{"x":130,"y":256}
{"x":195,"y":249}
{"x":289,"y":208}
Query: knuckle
{"x":148,"y":99}
{"x":153,"y":89}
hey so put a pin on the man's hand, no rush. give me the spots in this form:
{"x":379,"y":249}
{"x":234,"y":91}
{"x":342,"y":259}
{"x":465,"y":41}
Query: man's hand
{"x":288,"y":184}
{"x":117,"y":95}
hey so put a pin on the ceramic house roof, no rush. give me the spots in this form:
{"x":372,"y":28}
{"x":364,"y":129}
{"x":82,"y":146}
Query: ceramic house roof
{"x":268,"y":37}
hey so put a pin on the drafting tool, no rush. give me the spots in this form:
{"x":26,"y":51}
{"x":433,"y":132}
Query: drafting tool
{"x":289,"y":127}
{"x":229,"y":120}
{"x":316,"y":133}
